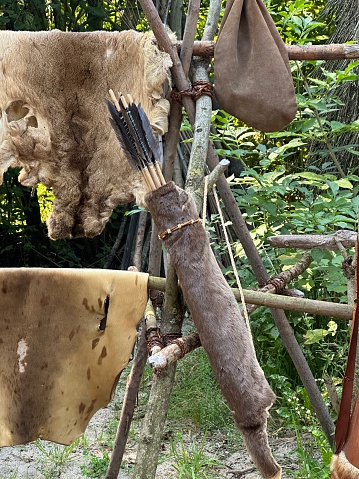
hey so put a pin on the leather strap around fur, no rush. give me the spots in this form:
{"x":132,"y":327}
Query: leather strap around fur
{"x":177,"y":227}
{"x":343,"y":422}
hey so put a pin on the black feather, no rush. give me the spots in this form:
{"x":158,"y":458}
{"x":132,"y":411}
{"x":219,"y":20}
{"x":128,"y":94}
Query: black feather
{"x":151,"y":138}
{"x":135,"y":126}
{"x":135,"y":135}
{"x":124,"y":136}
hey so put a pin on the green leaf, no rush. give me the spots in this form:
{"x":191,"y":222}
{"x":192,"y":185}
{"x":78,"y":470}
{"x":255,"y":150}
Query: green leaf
{"x":336,"y":125}
{"x":309,"y":176}
{"x":344,"y":183}
{"x":315,"y":336}
{"x":332,"y":327}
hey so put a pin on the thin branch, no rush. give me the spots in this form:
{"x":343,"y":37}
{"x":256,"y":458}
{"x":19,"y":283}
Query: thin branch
{"x":217,"y":172}
{"x":202,"y":123}
{"x":116,"y":245}
{"x":327,"y":242}
{"x":326,"y":141}
{"x":140,"y":236}
{"x":270,"y":300}
{"x":212,"y":21}
{"x":332,"y":393}
{"x":335,"y":51}
{"x":189,"y":34}
{"x":201,"y":130}
{"x":129,"y":403}
{"x":173,"y":352}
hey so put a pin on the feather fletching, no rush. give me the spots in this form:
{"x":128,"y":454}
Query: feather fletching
{"x":124,"y":137}
{"x":151,"y":138}
{"x":135,"y":135}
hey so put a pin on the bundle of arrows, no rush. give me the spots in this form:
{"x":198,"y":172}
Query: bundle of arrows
{"x":137,"y":139}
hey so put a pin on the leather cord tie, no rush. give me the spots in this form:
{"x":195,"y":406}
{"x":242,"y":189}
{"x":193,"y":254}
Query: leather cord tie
{"x":177,"y":227}
{"x":175,"y":338}
{"x":154,"y":338}
{"x":278,"y":282}
{"x":198,"y":89}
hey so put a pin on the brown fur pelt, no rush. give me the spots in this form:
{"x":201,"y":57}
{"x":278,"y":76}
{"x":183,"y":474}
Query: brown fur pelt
{"x":54,"y":120}
{"x":221,"y":328}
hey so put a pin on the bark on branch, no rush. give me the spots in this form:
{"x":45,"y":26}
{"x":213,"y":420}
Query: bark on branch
{"x":129,"y":403}
{"x":174,"y":351}
{"x":335,"y":51}
{"x":328,"y":242}
{"x":276,"y":301}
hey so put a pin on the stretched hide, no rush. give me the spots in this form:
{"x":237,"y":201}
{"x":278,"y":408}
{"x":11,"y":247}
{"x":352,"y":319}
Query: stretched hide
{"x":221,"y":328}
{"x":54,"y":120}
{"x":66,"y":335}
{"x":253,"y":81}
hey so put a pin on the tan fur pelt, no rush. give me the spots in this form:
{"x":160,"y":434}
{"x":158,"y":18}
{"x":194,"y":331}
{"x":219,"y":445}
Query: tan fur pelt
{"x":54,"y":120}
{"x":341,"y":468}
{"x":218,"y":319}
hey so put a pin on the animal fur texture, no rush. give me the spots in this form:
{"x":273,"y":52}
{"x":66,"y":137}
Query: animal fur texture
{"x":341,"y":468}
{"x":54,"y":120}
{"x":220,"y":325}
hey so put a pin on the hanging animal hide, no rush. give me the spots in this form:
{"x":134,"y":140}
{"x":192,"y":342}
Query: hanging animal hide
{"x":54,"y":120}
{"x":66,"y":335}
{"x":221,"y":328}
{"x":253,"y":81}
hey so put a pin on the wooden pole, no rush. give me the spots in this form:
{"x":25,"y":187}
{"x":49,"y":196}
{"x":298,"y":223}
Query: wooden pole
{"x":328,"y":242}
{"x":335,"y":51}
{"x":311,"y":306}
{"x":129,"y":403}
{"x":172,"y":314}
{"x":173,"y":352}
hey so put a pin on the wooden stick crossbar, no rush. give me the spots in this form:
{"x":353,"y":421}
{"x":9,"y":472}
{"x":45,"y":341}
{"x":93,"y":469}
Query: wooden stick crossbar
{"x":335,"y":51}
{"x":328,"y":242}
{"x":311,"y":306}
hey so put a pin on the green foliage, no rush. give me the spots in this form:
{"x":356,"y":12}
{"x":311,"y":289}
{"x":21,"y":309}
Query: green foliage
{"x":297,"y":203}
{"x":97,"y":464}
{"x":66,"y":15}
{"x":310,"y":465}
{"x":290,"y":148}
{"x":296,"y":20}
{"x":193,"y":463}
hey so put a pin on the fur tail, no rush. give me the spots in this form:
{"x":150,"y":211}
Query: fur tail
{"x":256,"y":440}
{"x":341,"y":468}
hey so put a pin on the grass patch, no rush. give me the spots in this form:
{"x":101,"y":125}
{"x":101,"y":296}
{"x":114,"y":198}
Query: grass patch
{"x":196,"y":394}
{"x":191,"y":461}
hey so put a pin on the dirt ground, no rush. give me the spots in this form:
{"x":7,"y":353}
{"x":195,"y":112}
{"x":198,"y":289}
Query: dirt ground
{"x":30,"y":461}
